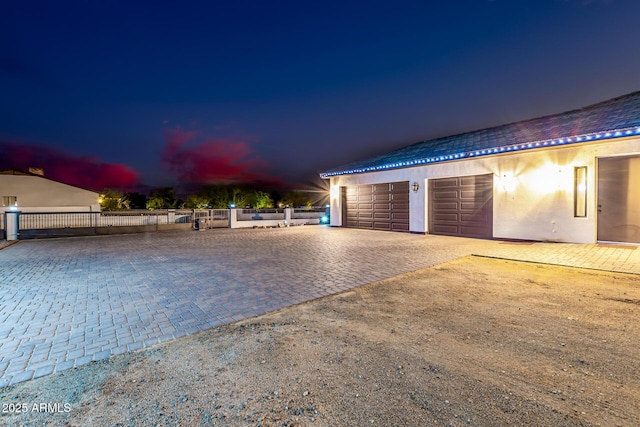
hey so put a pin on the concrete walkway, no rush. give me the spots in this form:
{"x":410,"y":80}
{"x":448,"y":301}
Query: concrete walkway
{"x":67,"y":302}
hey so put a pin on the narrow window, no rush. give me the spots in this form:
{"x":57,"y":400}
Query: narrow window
{"x":580,"y":192}
{"x":9,"y":201}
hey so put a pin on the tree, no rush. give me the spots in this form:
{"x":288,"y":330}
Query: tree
{"x":112,"y":200}
{"x":240,"y":197}
{"x":197,"y":201}
{"x":163,"y":198}
{"x":296,"y":199}
{"x":218,"y":196}
{"x":262,"y":200}
{"x":136,"y":200}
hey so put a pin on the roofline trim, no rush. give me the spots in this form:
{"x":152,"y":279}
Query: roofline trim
{"x":521,"y":146}
{"x":48,"y":179}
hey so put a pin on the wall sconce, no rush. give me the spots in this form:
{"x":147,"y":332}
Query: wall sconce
{"x":415,"y":187}
{"x":507,"y":183}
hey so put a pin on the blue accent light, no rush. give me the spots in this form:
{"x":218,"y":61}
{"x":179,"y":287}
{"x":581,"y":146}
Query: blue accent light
{"x":508,"y":148}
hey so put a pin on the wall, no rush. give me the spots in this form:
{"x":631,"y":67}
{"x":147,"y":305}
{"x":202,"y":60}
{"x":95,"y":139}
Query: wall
{"x":533,"y":189}
{"x":37,"y":192}
{"x":284,"y":219}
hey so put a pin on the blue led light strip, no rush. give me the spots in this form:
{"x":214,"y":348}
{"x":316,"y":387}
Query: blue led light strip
{"x":620,"y":133}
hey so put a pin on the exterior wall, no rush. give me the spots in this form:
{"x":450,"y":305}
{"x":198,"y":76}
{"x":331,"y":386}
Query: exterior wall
{"x":533,"y":192}
{"x":36,"y":193}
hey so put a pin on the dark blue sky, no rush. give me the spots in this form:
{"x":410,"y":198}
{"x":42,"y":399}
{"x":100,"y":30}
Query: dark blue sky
{"x":111,"y":93}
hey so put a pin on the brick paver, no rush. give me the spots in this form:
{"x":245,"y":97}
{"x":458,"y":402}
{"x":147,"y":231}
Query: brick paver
{"x":67,"y":302}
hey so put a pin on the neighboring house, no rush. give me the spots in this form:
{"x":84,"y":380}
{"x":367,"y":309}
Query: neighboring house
{"x":32,"y":192}
{"x":569,"y":177}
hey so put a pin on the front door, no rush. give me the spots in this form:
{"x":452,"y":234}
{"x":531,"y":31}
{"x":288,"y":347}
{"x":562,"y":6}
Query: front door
{"x":619,"y":199}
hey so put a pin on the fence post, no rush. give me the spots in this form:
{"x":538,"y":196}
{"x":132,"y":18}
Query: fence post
{"x":12,"y":224}
{"x":287,"y":216}
{"x":233,"y":218}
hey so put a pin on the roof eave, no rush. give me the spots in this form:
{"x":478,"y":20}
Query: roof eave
{"x":520,"y":146}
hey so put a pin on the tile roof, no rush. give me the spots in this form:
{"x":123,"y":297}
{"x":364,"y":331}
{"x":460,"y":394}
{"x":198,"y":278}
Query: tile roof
{"x":617,"y":117}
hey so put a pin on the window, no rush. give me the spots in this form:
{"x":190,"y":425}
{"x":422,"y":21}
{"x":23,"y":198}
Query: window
{"x":9,"y":201}
{"x":580,"y":192}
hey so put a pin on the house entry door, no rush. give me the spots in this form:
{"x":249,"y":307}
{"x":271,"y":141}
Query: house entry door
{"x":619,"y":199}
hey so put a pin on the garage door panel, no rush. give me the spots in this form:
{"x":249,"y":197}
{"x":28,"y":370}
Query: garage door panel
{"x":384,"y":206}
{"x":445,"y":229}
{"x":473,"y":231}
{"x":400,"y":216}
{"x":468,"y":181}
{"x":472,"y":206}
{"x":400,"y":186}
{"x":462,"y":206}
{"x":404,"y":197}
{"x":445,"y":182}
{"x":382,"y":215}
{"x":396,"y":226}
{"x":444,"y":217}
{"x":472,"y":194}
{"x":442,"y":206}
{"x":446,"y":194}
{"x":478,"y":218}
{"x":378,"y":206}
{"x":382,"y":225}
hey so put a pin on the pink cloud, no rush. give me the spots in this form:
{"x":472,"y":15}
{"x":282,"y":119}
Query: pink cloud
{"x":82,"y":171}
{"x":228,"y":159}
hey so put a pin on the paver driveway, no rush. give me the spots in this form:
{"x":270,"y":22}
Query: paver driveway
{"x":67,"y":302}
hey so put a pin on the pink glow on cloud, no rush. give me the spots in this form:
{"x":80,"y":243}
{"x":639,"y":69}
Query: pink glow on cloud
{"x":228,"y":159}
{"x":84,"y":171}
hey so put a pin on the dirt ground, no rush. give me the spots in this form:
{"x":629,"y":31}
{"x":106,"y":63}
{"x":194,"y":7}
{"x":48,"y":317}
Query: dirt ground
{"x":475,"y":341}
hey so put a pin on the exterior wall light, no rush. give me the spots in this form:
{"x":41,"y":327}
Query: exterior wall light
{"x":415,"y":187}
{"x":507,"y":183}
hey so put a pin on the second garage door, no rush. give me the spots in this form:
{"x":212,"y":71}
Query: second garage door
{"x":377,"y":206}
{"x":462,"y":206}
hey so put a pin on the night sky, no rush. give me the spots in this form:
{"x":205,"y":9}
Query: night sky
{"x":134,"y":95}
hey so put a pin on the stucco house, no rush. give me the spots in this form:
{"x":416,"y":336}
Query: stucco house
{"x":32,"y":192}
{"x":568,"y":177}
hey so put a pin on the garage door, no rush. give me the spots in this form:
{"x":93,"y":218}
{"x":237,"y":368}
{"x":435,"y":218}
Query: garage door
{"x":462,"y":206}
{"x":377,"y":206}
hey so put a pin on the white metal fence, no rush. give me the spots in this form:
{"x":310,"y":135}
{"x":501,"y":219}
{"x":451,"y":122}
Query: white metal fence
{"x":52,"y":220}
{"x":35,"y":224}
